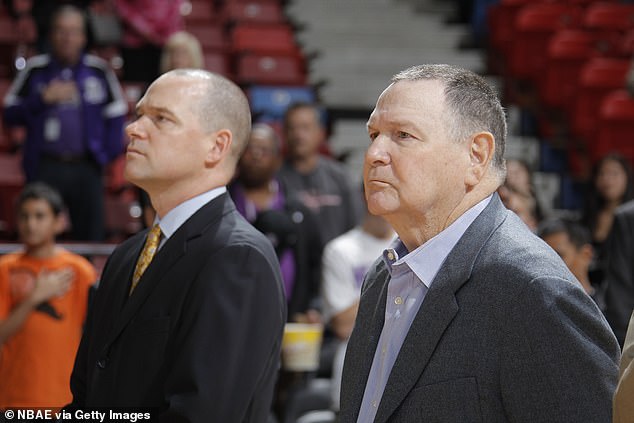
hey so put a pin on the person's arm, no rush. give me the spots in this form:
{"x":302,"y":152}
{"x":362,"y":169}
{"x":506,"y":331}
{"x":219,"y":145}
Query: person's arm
{"x":340,"y":297}
{"x":227,"y":348}
{"x":22,"y":102}
{"x":619,"y":278}
{"x":559,"y":358}
{"x":342,"y":323}
{"x":114,"y":114}
{"x":48,"y":285}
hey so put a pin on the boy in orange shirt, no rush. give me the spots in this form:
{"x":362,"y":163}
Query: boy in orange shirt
{"x":43,"y":302}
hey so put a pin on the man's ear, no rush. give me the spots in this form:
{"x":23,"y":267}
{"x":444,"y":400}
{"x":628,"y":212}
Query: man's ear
{"x":481,"y":150}
{"x":219,"y":147}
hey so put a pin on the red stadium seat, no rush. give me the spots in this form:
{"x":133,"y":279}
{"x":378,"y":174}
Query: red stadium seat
{"x":197,"y":12}
{"x":609,"y":22}
{"x":211,"y":36}
{"x":218,"y":63}
{"x":501,"y":18}
{"x":252,"y":12}
{"x":264,"y":39}
{"x":616,"y":126}
{"x":598,"y":77}
{"x":567,"y":50}
{"x":270,"y":70}
{"x":535,"y":24}
{"x":11,"y":183}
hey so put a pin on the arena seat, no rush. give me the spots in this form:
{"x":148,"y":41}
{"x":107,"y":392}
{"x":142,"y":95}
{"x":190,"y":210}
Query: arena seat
{"x":535,"y":24}
{"x":615,"y":132}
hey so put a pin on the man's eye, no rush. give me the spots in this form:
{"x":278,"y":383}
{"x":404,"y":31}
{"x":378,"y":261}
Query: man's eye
{"x":401,"y":134}
{"x":373,"y":135}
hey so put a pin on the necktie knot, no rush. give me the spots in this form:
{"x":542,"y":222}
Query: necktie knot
{"x":147,"y":254}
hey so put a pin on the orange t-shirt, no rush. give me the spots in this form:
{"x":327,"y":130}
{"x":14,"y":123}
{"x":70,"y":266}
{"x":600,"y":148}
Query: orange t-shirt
{"x":36,"y":361}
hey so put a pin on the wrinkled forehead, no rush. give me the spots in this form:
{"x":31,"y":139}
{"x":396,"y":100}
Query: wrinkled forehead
{"x":171,"y":90}
{"x":410,"y":100}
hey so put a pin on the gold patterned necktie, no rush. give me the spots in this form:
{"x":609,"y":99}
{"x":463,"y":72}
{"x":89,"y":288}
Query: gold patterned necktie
{"x":149,"y":249}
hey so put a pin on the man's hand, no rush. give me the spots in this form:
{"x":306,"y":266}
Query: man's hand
{"x":51,"y":284}
{"x":60,"y":92}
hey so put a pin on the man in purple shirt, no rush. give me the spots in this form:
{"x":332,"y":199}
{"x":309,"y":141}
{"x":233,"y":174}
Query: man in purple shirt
{"x":73,"y":108}
{"x":468,"y":317}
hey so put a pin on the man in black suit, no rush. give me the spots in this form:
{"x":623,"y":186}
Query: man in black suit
{"x":197,"y":337}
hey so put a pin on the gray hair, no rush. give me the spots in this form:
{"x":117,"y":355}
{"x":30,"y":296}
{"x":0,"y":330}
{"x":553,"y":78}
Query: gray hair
{"x":222,"y":106}
{"x":472,"y":105}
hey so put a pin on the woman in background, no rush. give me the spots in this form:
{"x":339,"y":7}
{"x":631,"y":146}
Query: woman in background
{"x":182,"y":50}
{"x":610,"y":186}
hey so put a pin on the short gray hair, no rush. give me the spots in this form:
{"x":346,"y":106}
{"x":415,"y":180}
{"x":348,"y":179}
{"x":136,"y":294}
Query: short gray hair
{"x":223,"y":106}
{"x":472,"y":105}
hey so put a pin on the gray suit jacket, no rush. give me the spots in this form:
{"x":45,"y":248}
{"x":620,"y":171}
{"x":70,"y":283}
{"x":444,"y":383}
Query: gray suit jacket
{"x":505,"y":333}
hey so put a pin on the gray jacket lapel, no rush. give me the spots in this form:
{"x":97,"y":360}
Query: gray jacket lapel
{"x":437,"y":311}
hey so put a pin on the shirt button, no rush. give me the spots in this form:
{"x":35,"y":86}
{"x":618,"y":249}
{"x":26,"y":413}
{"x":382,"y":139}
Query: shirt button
{"x":398,"y":301}
{"x":374,"y":404}
{"x":390,"y":255}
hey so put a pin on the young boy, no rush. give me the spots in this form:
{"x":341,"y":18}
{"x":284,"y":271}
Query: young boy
{"x":43,"y":301}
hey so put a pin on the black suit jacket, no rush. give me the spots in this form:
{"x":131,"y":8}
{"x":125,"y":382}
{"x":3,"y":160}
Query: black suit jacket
{"x":619,"y":271}
{"x":504,"y":334}
{"x":199,"y":339}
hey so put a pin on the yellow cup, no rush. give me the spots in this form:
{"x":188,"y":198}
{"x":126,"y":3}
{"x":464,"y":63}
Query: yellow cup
{"x":300,"y":346}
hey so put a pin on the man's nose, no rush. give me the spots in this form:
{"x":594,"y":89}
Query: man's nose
{"x":377,"y":151}
{"x":135,"y":129}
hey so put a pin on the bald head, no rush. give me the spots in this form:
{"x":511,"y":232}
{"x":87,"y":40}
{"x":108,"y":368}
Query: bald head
{"x":219,"y":104}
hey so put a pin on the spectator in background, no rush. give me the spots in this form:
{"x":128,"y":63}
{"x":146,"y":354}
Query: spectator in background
{"x":73,"y":109}
{"x":182,"y":50}
{"x":292,"y":229}
{"x":610,"y":186}
{"x":571,"y":241}
{"x":619,"y":270}
{"x":43,"y":302}
{"x":33,"y":17}
{"x":320,"y":183}
{"x":345,"y":261}
{"x":518,"y":194}
{"x":147,"y":25}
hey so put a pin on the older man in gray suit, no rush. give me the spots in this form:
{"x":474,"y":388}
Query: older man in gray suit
{"x":469,"y":317}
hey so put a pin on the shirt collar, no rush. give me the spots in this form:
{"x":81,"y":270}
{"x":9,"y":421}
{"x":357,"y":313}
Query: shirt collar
{"x":426,"y":260}
{"x":179,"y":214}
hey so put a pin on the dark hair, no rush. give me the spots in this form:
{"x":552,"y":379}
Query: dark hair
{"x":594,"y":202}
{"x":64,"y":9}
{"x":41,"y":191}
{"x":302,"y":105}
{"x":577,"y":234}
{"x":472,"y":104}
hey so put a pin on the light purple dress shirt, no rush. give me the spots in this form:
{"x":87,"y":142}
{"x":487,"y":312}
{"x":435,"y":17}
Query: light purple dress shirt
{"x":411,"y":276}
